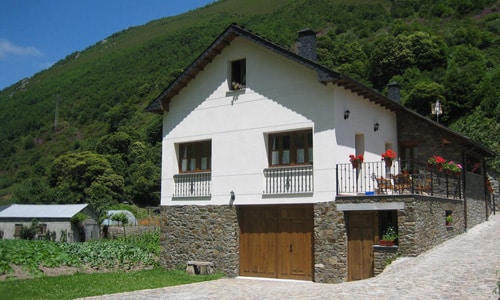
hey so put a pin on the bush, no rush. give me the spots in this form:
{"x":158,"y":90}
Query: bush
{"x":29,"y":233}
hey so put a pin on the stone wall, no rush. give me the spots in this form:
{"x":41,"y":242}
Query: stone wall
{"x":330,"y":244}
{"x":422,"y":225}
{"x":414,"y":132}
{"x":116,"y":231}
{"x":200,"y":233}
{"x":427,"y":140}
{"x":211,"y":233}
{"x":476,"y":212}
{"x":382,"y":256}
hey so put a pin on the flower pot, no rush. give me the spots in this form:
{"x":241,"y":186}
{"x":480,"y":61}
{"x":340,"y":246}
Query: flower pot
{"x":388,"y":163}
{"x":386,"y":243}
{"x":355,"y":164}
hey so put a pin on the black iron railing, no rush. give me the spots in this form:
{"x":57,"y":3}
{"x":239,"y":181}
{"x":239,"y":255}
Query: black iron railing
{"x":402,"y":177}
{"x":192,"y":184}
{"x":288,"y":180}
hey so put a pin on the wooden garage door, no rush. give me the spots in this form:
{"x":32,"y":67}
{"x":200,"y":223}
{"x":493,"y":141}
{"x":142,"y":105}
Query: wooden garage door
{"x":276,"y":241}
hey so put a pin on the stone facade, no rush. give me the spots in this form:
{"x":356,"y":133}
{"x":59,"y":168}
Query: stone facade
{"x":422,"y":224}
{"x":200,"y":233}
{"x":382,"y":256}
{"x":211,"y":233}
{"x":330,"y":244}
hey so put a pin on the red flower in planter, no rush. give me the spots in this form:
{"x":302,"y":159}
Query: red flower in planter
{"x":388,"y":156}
{"x":356,"y":160}
{"x":353,"y":158}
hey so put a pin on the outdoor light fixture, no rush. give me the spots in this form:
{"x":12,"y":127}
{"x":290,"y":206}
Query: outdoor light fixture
{"x":437,"y":109}
{"x":346,"y":114}
{"x":376,"y":126}
{"x":232,"y":196}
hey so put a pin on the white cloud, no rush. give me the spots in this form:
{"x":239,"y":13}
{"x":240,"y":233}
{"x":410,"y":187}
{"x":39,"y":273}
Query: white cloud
{"x":7,"y":48}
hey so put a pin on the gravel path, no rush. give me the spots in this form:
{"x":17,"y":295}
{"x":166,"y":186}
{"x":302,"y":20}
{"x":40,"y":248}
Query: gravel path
{"x":464,"y":267}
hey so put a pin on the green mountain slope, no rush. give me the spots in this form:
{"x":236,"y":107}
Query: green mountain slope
{"x":87,"y":109}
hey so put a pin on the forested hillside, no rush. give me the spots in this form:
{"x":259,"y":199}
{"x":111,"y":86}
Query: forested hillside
{"x":77,"y":132}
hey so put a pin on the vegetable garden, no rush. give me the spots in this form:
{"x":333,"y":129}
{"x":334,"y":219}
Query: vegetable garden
{"x":132,"y":252}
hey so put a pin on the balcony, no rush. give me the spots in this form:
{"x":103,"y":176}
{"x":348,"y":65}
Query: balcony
{"x":192,"y":185}
{"x":288,"y":180}
{"x":403,"y":177}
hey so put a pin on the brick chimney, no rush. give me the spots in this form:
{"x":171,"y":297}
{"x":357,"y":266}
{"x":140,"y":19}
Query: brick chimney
{"x":394,"y":92}
{"x":307,"y":44}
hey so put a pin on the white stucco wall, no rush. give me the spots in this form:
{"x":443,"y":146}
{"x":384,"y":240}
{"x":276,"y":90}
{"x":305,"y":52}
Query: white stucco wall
{"x":57,"y":226}
{"x":281,"y":95}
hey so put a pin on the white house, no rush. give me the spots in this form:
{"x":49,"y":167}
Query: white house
{"x":256,"y":175}
{"x":51,"y":217}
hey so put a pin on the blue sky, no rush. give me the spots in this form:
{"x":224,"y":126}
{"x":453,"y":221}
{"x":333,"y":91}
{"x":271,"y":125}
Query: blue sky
{"x":35,"y":34}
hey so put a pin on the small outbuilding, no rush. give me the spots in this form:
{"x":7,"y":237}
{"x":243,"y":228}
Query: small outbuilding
{"x":52,"y":218}
{"x":130,"y":216}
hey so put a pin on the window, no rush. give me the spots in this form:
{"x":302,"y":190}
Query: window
{"x":238,"y":74}
{"x":195,"y":157}
{"x":474,"y":165}
{"x":42,"y":229}
{"x":448,"y":217}
{"x":407,"y":154}
{"x":17,"y":230}
{"x":386,"y":219}
{"x":291,"y":148}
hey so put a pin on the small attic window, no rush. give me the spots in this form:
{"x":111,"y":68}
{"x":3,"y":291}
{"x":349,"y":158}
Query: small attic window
{"x":238,"y":74}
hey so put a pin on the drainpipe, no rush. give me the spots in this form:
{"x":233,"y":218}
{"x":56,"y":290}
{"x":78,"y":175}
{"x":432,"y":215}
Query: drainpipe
{"x":464,"y":165}
{"x":464,"y":185}
{"x":486,"y":190}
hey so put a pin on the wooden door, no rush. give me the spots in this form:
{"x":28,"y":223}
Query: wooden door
{"x":258,"y":242}
{"x":361,"y":230}
{"x":295,"y":238}
{"x":276,"y":241}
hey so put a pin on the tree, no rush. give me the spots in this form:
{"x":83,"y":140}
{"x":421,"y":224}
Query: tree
{"x":122,"y":219}
{"x":114,"y":143}
{"x":342,"y":54}
{"x":422,"y":95}
{"x":466,"y":68}
{"x":394,"y":55}
{"x":89,"y":177}
{"x":391,"y":56}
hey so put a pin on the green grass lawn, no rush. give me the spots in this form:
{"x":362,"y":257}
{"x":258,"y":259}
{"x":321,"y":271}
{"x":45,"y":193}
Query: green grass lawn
{"x":86,"y":285}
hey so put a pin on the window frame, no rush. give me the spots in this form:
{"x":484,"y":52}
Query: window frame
{"x":293,"y":145}
{"x":18,"y":228}
{"x":238,"y":73}
{"x":197,"y":150}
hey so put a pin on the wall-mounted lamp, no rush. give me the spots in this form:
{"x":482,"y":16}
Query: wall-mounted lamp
{"x":232,"y":196}
{"x":376,"y":126}
{"x":346,"y":114}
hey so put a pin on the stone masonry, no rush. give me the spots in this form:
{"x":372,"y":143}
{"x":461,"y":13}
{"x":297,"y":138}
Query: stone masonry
{"x":211,"y":233}
{"x":200,"y":233}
